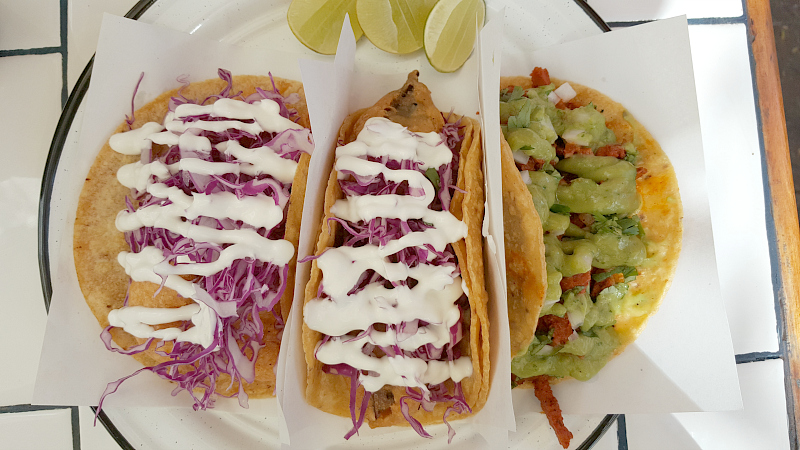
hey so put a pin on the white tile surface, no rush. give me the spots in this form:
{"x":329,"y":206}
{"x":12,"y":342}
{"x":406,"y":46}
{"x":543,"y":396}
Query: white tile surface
{"x":32,"y":84}
{"x":94,"y":437}
{"x":83,"y":30}
{"x":626,"y":10}
{"x":762,"y":423}
{"x":29,"y":24}
{"x":733,"y":164}
{"x":36,"y":430}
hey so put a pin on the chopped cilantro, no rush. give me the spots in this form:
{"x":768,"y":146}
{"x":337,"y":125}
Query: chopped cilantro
{"x":522,"y":119}
{"x":629,"y":226}
{"x":559,"y":209}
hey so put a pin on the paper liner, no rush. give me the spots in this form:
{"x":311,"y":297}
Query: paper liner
{"x":75,"y":365}
{"x":684,"y":359}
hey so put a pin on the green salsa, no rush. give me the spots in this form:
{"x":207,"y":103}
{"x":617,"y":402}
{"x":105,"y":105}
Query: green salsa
{"x":587,"y":204}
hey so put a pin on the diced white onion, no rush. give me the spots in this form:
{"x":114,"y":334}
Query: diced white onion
{"x":565,"y":92}
{"x":521,"y":157}
{"x":573,"y":336}
{"x":546,"y":350}
{"x":554,"y":98}
{"x":526,"y":177}
{"x":575,"y":319}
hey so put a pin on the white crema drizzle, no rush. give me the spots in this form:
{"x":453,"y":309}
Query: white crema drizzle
{"x":438,"y":287}
{"x":257,"y":211}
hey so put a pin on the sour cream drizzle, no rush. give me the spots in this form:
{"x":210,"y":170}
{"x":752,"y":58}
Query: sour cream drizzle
{"x":432,"y":300}
{"x":258,"y":211}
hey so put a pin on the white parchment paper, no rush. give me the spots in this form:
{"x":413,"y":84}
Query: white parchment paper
{"x":684,"y":359}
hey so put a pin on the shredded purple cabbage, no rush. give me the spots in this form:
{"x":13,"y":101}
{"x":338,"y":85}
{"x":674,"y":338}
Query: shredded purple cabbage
{"x":380,"y":231}
{"x":130,"y":119}
{"x":239,"y":293}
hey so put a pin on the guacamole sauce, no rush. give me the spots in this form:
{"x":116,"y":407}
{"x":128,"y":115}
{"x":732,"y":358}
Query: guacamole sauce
{"x":611,"y":232}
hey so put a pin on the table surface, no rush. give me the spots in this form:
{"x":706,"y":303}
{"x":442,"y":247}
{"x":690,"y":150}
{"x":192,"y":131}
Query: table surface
{"x":44,"y":45}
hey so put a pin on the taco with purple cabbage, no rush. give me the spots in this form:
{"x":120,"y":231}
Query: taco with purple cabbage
{"x":395,"y":325}
{"x":186,"y":232}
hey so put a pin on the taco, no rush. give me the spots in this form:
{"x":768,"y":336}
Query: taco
{"x":395,"y":320}
{"x":606,"y":202}
{"x":186,"y":232}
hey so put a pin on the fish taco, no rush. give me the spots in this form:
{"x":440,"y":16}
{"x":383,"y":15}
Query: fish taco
{"x":395,"y":320}
{"x":604,"y":198}
{"x":186,"y":231}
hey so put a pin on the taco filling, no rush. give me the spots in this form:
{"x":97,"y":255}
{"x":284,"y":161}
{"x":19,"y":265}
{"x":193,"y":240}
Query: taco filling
{"x":609,"y":208}
{"x":392,"y":313}
{"x":208,"y":251}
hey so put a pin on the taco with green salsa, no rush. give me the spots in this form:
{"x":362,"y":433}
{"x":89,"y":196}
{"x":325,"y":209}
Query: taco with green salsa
{"x":605,"y":199}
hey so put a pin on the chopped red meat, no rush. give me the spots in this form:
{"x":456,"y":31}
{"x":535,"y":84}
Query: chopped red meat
{"x":581,"y":220}
{"x":561,"y":327}
{"x":543,"y":391}
{"x":570,"y":149}
{"x":598,"y":286}
{"x":615,"y":150}
{"x":581,"y":279}
{"x":532,"y":164}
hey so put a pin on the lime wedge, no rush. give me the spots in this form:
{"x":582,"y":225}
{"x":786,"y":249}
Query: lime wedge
{"x":318,"y":23}
{"x":450,"y":31}
{"x":394,"y":26}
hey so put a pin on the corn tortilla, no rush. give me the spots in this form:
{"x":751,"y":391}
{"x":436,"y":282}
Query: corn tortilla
{"x":97,"y":242}
{"x":331,"y":393}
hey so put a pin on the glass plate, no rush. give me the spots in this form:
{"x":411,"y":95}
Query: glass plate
{"x":261,"y":23}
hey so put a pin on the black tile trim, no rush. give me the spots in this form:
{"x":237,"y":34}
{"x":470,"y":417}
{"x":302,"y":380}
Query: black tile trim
{"x":76,"y":428}
{"x":60,"y":49}
{"x":622,"y":433}
{"x":64,"y":27}
{"x":745,"y":358}
{"x":696,"y":21}
{"x":30,"y":51}
{"x":29,"y":408}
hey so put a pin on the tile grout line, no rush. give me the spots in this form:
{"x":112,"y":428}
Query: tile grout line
{"x":64,"y":28}
{"x":29,"y":408}
{"x":744,"y":358}
{"x":695,"y":21}
{"x":31,"y":51}
{"x":76,"y":428}
{"x":622,"y":433}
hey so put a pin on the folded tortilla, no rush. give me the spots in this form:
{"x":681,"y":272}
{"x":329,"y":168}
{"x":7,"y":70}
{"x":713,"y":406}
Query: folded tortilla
{"x":412,"y":107}
{"x":660,"y":214}
{"x":97,"y":242}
